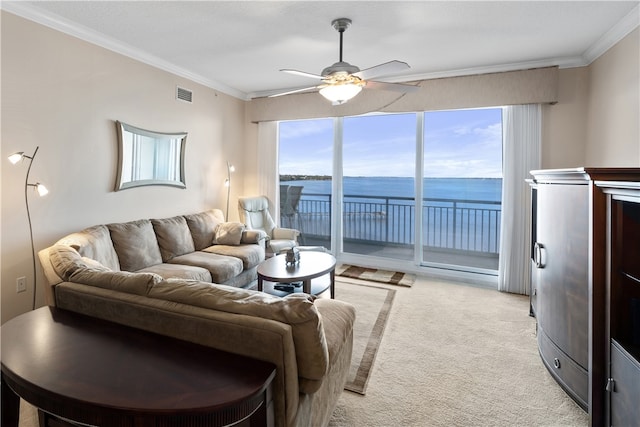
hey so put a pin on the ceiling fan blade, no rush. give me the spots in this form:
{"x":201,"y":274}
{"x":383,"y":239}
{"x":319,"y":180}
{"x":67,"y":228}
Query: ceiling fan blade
{"x":302,"y":73}
{"x":289,"y":92}
{"x":396,"y":87}
{"x":390,"y":67}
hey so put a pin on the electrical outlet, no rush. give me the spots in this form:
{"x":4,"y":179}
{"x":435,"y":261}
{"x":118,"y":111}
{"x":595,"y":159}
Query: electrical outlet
{"x":21,"y":284}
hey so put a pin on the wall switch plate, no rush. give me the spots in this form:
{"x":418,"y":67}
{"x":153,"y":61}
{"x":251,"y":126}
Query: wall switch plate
{"x":21,"y":284}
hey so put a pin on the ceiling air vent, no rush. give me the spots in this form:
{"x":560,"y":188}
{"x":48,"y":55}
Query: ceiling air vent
{"x":184,"y":94}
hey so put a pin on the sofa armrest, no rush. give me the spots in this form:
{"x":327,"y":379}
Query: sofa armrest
{"x":50,"y":274}
{"x":285,"y":234}
{"x":253,"y":236}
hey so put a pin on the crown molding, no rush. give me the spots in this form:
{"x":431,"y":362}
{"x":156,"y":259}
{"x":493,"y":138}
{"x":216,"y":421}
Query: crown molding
{"x":619,"y":31}
{"x":58,"y":23}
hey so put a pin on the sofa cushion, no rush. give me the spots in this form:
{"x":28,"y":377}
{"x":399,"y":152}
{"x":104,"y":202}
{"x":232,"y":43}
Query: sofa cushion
{"x":123,"y":281}
{"x":229,"y":233}
{"x":136,"y":244}
{"x":222,"y":268}
{"x":251,"y":255}
{"x":177,"y":271}
{"x":174,"y":237}
{"x":296,"y":310}
{"x":202,"y":226}
{"x":95,"y":243}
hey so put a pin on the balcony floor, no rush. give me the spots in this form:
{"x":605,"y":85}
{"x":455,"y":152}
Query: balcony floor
{"x":448,"y":257}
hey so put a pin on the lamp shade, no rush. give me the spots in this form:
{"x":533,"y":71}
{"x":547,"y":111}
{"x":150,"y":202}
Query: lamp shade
{"x":340,"y":93}
{"x":41,"y":189}
{"x":16,"y":157}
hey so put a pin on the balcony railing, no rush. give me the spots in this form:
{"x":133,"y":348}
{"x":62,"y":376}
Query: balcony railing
{"x":459,"y":225}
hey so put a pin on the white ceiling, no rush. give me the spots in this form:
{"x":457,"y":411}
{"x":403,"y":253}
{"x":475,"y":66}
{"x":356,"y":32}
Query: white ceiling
{"x":238,"y":47}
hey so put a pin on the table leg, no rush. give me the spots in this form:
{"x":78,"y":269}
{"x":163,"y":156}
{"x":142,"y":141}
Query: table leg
{"x":306,"y":286}
{"x":332,"y":278}
{"x":260,"y":280}
{"x":10,"y":406}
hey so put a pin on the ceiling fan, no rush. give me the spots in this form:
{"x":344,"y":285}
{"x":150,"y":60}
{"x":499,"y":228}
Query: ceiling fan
{"x":342,"y":81}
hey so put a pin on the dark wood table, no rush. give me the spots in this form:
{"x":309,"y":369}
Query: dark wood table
{"x":95,"y":372}
{"x":312,"y":265}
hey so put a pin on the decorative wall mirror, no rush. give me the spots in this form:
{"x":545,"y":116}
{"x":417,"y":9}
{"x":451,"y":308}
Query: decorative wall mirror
{"x":149,"y":158}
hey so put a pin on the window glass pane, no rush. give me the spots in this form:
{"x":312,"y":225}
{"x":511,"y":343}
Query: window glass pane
{"x":462,"y":189}
{"x":306,"y":170}
{"x":378,"y":185}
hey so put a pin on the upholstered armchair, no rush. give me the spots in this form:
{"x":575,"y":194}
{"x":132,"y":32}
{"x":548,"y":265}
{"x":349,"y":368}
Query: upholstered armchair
{"x":254,"y":213}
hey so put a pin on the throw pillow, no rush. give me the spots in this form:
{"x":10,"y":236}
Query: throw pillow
{"x":202,"y":226}
{"x":229,"y":233}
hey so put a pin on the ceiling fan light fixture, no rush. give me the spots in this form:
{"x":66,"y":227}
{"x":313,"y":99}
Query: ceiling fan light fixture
{"x":341,"y":93}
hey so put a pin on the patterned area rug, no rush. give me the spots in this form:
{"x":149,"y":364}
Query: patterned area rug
{"x":381,"y":276}
{"x":373,"y":304}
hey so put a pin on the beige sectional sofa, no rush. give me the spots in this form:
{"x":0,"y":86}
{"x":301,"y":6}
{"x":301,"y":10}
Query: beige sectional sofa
{"x":190,"y":277}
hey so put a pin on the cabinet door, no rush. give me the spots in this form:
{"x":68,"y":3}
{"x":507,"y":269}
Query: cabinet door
{"x":562,"y":279}
{"x":625,"y":371}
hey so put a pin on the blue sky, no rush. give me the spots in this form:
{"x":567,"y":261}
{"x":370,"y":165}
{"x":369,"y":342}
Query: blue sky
{"x":458,"y":143}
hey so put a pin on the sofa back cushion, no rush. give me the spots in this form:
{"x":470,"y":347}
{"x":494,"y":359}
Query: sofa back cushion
{"x":296,"y":310}
{"x":174,"y":237}
{"x":202,"y":226}
{"x":122,"y":281}
{"x":136,"y":245}
{"x":95,"y":243}
{"x":65,"y":260}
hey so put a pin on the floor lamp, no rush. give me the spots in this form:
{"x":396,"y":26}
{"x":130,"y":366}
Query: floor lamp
{"x":227,"y":183}
{"x":42,"y":191}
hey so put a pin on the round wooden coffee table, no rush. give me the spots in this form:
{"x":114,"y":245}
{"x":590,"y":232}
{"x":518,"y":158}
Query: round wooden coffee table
{"x":93,"y":372}
{"x":310,"y":271}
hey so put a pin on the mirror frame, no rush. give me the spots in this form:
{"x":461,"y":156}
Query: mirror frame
{"x":121,"y":184}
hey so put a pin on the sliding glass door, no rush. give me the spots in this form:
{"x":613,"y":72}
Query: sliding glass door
{"x":462,"y":188}
{"x":378,"y":185}
{"x":353,"y":181}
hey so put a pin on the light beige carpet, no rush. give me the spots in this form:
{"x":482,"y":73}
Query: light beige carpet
{"x":374,"y":275}
{"x":455,"y":355}
{"x":373,"y":304}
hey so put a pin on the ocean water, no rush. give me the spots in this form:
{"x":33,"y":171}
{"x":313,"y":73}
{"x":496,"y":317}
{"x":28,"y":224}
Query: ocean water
{"x":458,"y":213}
{"x":484,"y":189}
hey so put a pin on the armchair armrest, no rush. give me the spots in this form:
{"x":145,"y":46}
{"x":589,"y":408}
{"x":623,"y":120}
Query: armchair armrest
{"x":285,"y":234}
{"x":253,"y":236}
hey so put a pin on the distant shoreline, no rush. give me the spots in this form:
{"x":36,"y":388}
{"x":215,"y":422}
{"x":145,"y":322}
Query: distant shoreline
{"x":305,"y":178}
{"x":284,"y":178}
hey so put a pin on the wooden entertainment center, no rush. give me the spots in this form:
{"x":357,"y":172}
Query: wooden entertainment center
{"x":585,"y":286}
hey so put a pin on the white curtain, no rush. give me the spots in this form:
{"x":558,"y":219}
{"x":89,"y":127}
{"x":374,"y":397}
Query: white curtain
{"x":521,"y":154}
{"x":268,"y":164}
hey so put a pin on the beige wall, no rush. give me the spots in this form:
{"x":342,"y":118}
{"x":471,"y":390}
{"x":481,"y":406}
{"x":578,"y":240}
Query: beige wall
{"x":563,"y":123}
{"x":613,"y":116}
{"x":596,"y":121}
{"x":64,"y":94}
